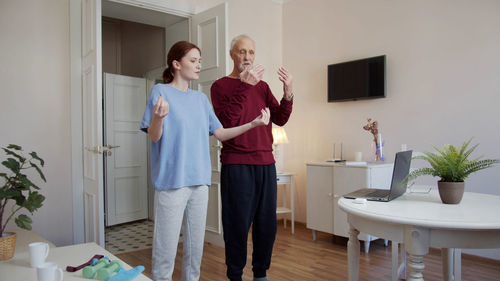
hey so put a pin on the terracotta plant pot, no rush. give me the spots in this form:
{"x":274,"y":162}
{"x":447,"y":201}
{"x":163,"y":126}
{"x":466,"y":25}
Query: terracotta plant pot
{"x":451,"y":192}
{"x":7,"y":245}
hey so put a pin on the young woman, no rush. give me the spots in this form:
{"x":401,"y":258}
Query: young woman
{"x":179,"y":122}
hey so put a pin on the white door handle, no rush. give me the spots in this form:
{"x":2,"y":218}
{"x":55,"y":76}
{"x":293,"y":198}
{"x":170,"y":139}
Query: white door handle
{"x":113,"y":146}
{"x":109,"y":147}
{"x":96,"y":149}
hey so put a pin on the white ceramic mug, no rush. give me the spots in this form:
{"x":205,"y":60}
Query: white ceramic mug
{"x":358,"y":156}
{"x":47,"y":272}
{"x":38,"y":253}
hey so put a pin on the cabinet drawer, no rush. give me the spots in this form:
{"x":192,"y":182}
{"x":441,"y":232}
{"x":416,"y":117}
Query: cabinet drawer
{"x":283,"y":179}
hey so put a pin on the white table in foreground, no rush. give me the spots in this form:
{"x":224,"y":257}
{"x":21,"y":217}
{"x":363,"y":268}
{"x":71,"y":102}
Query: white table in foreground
{"x":18,"y":267}
{"x":422,"y":221}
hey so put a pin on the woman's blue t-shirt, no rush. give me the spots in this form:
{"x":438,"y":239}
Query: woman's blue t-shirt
{"x":181,"y":157}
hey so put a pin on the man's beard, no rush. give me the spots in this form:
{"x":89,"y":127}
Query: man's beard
{"x":243,"y":66}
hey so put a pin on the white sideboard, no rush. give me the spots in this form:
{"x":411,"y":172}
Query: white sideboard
{"x":328,"y":181}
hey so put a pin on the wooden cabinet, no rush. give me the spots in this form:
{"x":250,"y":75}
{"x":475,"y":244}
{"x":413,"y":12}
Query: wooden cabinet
{"x":327,"y":182}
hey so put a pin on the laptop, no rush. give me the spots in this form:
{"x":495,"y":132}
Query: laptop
{"x":399,"y":173}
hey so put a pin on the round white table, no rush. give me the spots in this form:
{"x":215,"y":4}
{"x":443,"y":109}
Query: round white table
{"x":420,"y":221}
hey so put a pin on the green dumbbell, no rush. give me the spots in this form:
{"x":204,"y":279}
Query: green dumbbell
{"x":106,"y":272}
{"x":90,"y":270}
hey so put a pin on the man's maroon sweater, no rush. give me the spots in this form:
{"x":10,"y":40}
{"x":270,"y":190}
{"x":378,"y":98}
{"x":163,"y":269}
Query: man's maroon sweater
{"x":237,"y":103}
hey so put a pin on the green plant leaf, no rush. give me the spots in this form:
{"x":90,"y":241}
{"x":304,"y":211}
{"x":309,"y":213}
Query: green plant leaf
{"x":9,"y":193}
{"x":35,"y":156}
{"x":24,"y":222}
{"x":38,"y":170}
{"x":15,"y":147}
{"x":20,"y":158}
{"x":12,"y":165}
{"x":20,"y":199}
{"x":23,"y":182}
{"x":34,"y":201}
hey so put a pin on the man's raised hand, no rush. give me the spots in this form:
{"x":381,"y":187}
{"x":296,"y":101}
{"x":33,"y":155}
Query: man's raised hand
{"x":252,"y":74}
{"x":287,"y":79}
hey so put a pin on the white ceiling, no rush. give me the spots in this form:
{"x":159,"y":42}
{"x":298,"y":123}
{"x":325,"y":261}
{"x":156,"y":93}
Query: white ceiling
{"x":137,"y":14}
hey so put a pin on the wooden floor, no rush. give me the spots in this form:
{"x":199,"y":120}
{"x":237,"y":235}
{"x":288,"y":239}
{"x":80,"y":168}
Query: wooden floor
{"x":297,"y":257}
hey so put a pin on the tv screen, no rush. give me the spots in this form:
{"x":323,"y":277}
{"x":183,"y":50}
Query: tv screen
{"x":359,"y":79}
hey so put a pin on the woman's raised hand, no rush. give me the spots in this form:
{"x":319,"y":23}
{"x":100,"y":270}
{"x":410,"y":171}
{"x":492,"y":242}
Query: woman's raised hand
{"x":161,"y":108}
{"x":263,"y":119}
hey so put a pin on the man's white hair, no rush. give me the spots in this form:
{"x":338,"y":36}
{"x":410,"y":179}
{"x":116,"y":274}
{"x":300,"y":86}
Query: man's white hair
{"x":238,"y":38}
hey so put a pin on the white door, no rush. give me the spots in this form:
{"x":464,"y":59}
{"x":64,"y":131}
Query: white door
{"x":209,"y":32}
{"x":126,"y":149}
{"x":92,"y":122}
{"x":153,"y":77}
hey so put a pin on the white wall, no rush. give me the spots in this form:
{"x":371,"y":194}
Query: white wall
{"x":34,"y":102}
{"x":443,"y":64}
{"x":174,"y":33}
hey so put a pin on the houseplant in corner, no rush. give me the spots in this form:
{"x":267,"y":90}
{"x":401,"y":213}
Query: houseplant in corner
{"x":452,"y":166}
{"x":19,"y":191}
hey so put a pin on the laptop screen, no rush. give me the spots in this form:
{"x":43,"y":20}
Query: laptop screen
{"x":401,"y":170}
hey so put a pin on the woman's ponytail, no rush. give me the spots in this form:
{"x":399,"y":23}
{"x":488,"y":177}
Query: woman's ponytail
{"x":167,"y":76}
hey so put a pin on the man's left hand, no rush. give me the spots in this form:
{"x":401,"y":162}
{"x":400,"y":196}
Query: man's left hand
{"x":287,"y":80}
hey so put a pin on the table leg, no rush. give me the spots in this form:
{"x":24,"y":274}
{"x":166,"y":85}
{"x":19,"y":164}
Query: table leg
{"x":447,"y":261}
{"x":367,"y":244}
{"x":314,"y":235}
{"x":353,"y":254}
{"x":395,"y":263}
{"x":402,"y":267}
{"x":292,"y":205}
{"x":398,"y":268}
{"x":417,"y":242}
{"x":284,"y":205}
{"x":457,"y":264}
{"x":416,"y":266}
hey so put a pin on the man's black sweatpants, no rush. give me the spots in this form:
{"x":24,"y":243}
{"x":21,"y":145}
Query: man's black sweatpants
{"x":248,"y":197}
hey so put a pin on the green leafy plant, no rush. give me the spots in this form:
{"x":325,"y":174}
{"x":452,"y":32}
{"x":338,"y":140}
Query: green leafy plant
{"x":16,"y":186}
{"x":451,"y":164}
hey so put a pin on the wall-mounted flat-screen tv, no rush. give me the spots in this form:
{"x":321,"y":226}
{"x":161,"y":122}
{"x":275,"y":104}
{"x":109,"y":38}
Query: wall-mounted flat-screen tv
{"x":359,"y":79}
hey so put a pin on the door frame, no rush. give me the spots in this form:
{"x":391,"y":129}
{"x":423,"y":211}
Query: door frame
{"x":174,"y":7}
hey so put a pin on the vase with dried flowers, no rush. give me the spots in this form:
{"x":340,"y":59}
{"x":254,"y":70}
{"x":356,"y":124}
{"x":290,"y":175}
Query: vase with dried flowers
{"x":372,"y":127}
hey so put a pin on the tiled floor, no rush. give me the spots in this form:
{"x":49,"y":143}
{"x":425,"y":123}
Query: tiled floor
{"x":129,"y":236}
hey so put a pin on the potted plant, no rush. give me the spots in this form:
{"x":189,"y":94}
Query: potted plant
{"x":17,"y":188}
{"x":452,"y":166}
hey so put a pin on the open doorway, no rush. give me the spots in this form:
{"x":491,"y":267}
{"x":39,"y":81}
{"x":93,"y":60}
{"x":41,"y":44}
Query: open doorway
{"x":207,"y":29}
{"x":134,"y":46}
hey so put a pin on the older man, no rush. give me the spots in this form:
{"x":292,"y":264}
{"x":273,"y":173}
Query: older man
{"x":248,"y":176}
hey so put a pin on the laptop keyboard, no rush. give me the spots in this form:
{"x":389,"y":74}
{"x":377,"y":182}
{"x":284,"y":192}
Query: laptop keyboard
{"x":378,"y":193}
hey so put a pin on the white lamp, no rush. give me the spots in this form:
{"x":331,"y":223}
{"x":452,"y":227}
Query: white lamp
{"x":279,"y":137}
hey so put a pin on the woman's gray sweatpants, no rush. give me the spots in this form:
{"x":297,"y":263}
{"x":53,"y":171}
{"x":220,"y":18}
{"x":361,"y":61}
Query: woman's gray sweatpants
{"x":186,"y":207}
